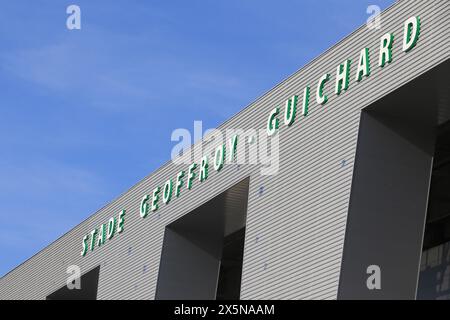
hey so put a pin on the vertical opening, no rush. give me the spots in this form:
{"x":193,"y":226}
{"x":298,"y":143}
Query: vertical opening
{"x":434,"y":277}
{"x":202,"y":251}
{"x":390,"y":192}
{"x":229,"y":283}
{"x":87,"y":291}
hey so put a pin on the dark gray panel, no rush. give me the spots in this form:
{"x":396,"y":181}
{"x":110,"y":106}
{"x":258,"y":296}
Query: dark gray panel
{"x":386,"y":214}
{"x":387,"y":205}
{"x":186,"y":271}
{"x":390,"y":189}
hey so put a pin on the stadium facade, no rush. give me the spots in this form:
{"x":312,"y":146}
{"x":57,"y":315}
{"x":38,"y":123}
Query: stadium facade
{"x":332,"y":185}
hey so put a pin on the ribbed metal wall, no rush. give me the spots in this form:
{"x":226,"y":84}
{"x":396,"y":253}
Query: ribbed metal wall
{"x":295,"y":227}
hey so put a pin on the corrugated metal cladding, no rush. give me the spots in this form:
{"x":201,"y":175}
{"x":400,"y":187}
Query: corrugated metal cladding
{"x":295,"y":227}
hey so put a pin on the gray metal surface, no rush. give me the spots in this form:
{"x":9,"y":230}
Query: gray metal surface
{"x":296,"y":227}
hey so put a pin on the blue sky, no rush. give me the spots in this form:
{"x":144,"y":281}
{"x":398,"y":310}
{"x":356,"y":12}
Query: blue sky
{"x":85,"y":114}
